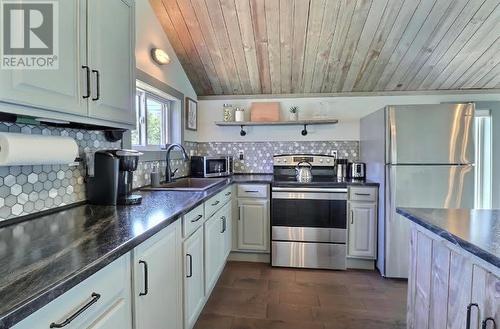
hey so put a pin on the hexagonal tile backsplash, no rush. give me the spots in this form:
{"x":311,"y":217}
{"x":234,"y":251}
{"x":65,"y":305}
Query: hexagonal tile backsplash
{"x":258,"y":156}
{"x":29,"y":189}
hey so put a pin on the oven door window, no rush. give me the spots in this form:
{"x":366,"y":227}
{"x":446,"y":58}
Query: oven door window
{"x":215,"y":166}
{"x":309,"y":213}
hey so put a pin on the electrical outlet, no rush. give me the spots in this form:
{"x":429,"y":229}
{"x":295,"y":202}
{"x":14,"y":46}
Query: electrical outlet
{"x":241,"y":155}
{"x":334,"y":153}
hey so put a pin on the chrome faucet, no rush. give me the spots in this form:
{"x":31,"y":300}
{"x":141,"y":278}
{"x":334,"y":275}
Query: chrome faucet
{"x":168,"y":171}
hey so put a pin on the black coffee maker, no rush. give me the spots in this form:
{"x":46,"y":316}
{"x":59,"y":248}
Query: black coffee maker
{"x":111,"y":183}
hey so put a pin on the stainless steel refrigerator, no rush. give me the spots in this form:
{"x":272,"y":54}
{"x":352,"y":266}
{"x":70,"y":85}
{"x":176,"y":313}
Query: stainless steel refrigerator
{"x":422,"y":156}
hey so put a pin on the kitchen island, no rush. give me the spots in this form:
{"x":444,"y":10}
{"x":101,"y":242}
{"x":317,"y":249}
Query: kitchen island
{"x":454,"y":279}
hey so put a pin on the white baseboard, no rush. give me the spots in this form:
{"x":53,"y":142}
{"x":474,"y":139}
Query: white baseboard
{"x":360,"y":264}
{"x":249,"y":257}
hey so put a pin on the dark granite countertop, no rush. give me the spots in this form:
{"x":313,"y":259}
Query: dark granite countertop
{"x":44,"y":257}
{"x":476,"y":231}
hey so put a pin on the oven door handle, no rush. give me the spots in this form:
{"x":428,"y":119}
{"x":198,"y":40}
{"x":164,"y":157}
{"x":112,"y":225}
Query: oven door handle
{"x":310,"y":189}
{"x":309,"y":196}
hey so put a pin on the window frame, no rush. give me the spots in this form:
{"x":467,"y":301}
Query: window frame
{"x":145,"y":92}
{"x":483,"y":174}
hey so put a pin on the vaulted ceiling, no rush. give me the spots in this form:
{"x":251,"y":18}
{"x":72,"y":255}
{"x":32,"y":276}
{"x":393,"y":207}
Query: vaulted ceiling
{"x":330,"y":46}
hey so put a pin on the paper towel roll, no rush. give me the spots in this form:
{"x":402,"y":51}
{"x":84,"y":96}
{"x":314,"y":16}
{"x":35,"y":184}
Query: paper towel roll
{"x":23,"y":149}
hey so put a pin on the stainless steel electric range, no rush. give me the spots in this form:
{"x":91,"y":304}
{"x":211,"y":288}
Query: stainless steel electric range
{"x":308,"y":220}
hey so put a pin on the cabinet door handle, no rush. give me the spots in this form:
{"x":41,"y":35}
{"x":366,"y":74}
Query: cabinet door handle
{"x":196,"y":219}
{"x":94,"y":298}
{"x":228,"y":194}
{"x":190,"y":266}
{"x":469,"y":310}
{"x":146,"y":283}
{"x":485,"y":323}
{"x":223,"y":224}
{"x":352,"y":216}
{"x":87,"y":69}
{"x":215,"y":203}
{"x":98,"y":85}
{"x":241,"y":213}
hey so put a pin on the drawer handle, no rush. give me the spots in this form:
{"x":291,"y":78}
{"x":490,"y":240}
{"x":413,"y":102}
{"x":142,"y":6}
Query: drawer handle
{"x":362,"y":194}
{"x":485,"y":323}
{"x":215,"y":203}
{"x":469,"y":310}
{"x":95,"y":298}
{"x":251,"y":191}
{"x":146,"y":283}
{"x":190,"y":266}
{"x":196,"y":219}
{"x":223,"y":224}
{"x":228,"y":194}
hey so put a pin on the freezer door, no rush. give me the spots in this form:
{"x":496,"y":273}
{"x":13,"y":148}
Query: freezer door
{"x":430,"y":134}
{"x":420,"y":186}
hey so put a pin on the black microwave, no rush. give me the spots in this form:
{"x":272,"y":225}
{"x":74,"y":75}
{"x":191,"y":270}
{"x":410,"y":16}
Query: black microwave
{"x":211,"y":166}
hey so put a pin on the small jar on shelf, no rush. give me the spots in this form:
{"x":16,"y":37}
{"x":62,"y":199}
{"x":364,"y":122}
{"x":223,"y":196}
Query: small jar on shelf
{"x":239,"y":114}
{"x":228,"y":113}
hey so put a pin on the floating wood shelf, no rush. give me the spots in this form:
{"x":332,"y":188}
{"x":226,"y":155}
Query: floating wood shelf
{"x":304,"y":123}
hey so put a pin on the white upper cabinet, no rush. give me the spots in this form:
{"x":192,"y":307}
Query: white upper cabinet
{"x":158,"y":281}
{"x":111,"y":59}
{"x":94,"y":83}
{"x":59,"y":89}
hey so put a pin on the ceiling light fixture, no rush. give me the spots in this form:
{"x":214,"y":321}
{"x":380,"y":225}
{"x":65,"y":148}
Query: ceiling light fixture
{"x":160,"y":56}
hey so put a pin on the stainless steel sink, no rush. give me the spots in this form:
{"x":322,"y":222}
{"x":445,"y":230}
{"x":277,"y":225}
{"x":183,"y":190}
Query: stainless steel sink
{"x":188,"y":184}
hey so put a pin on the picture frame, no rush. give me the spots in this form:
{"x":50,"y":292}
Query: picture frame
{"x":191,"y":114}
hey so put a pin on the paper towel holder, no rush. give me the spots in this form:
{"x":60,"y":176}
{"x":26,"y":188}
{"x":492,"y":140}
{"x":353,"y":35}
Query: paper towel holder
{"x":113,"y":135}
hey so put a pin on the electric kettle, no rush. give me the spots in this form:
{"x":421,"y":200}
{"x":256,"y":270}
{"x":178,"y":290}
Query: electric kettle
{"x":303,"y":170}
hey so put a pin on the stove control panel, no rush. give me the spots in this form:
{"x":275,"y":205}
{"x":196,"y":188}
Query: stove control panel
{"x":315,"y":160}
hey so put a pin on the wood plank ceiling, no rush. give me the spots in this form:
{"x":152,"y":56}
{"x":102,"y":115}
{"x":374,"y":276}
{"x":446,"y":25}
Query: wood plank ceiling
{"x":330,"y":46}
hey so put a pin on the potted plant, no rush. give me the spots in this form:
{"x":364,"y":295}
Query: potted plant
{"x":294,"y":113}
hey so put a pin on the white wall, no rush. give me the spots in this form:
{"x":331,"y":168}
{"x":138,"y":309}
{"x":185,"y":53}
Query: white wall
{"x":348,"y":110}
{"x":150,"y":34}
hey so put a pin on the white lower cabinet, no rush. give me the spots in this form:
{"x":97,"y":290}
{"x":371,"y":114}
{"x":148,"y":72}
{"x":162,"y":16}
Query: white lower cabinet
{"x":117,"y":316}
{"x":101,"y":301}
{"x":362,"y":228}
{"x":253,"y":224}
{"x":194,"y":287}
{"x":163,"y":283}
{"x":157,"y":280}
{"x":362,"y":213}
{"x":217,"y":244}
{"x":228,"y":229}
{"x":214,"y":246}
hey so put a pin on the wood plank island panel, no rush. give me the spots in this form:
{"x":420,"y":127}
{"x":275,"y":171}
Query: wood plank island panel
{"x":231,"y":47}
